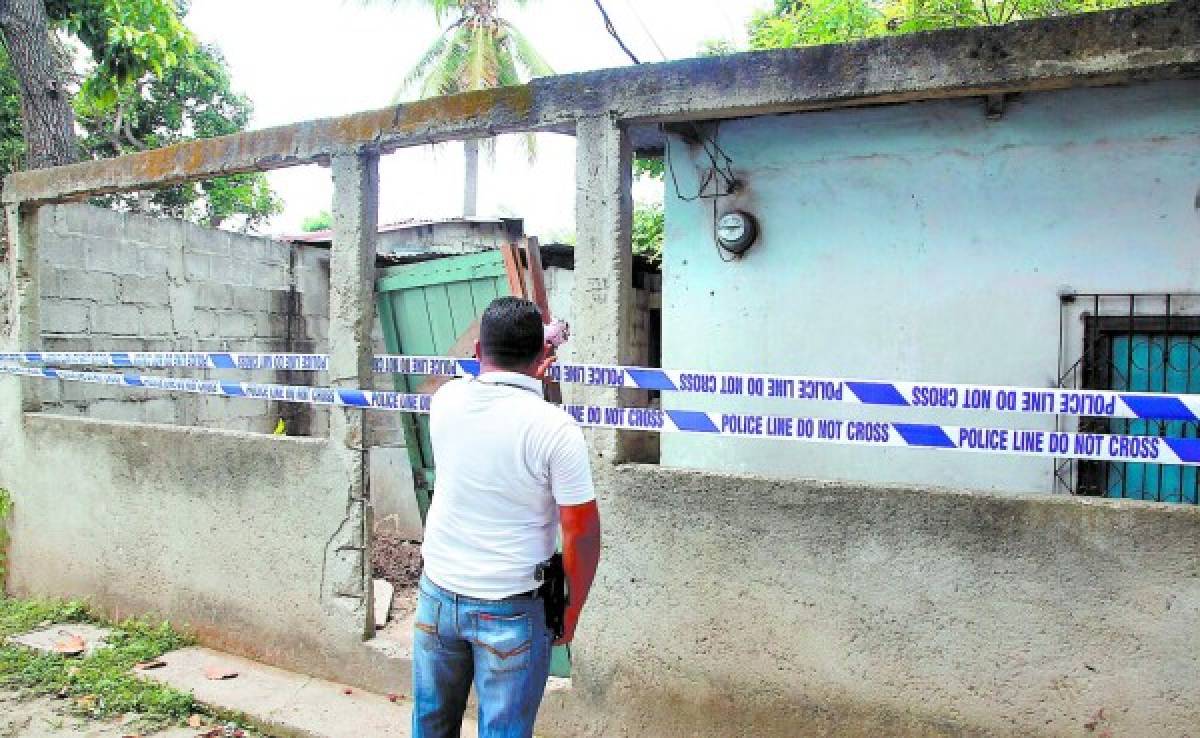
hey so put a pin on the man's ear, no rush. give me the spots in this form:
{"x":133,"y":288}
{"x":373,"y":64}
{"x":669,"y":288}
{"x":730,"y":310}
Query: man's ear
{"x":478,"y":351}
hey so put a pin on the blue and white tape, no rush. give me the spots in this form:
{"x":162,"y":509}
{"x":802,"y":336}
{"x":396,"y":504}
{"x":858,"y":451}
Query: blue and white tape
{"x":1050,"y":444}
{"x":952,"y":396}
{"x":250,"y":390}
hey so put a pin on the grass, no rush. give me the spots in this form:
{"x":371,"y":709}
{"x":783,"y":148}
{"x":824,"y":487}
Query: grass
{"x":101,"y":684}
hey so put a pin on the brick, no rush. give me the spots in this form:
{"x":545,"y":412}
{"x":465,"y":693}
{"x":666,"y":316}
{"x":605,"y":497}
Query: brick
{"x":143,"y":291}
{"x":81,"y":285}
{"x":157,"y":321}
{"x":65,"y":316}
{"x":66,"y":343}
{"x":118,"y":320}
{"x":196,"y":267}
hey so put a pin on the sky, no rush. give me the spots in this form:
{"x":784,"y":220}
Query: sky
{"x":304,"y":59}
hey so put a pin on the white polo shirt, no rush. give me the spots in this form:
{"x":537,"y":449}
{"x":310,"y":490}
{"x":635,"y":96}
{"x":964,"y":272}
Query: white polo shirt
{"x":506,"y":459}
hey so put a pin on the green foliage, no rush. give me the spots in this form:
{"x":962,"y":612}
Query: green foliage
{"x":104,"y":678}
{"x":811,"y":22}
{"x":815,"y":22}
{"x":649,"y":167}
{"x":128,"y":39}
{"x":319,"y":222}
{"x":5,"y":511}
{"x":648,"y":225}
{"x":192,"y":99}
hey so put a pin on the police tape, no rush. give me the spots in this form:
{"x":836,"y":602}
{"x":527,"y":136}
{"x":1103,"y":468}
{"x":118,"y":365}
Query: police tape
{"x":250,"y":390}
{"x":1050,"y":444}
{"x":952,"y":396}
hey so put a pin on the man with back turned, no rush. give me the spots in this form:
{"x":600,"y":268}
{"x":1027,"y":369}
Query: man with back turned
{"x":510,"y":469}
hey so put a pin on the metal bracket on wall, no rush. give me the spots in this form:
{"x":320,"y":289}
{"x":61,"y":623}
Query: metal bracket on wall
{"x":995,"y":105}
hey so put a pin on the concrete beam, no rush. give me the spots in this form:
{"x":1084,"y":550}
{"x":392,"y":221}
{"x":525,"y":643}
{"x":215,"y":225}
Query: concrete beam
{"x":25,"y":326}
{"x":603,"y":294}
{"x":1115,"y":47}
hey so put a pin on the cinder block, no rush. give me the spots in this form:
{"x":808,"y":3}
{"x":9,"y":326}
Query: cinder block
{"x":143,"y":291}
{"x":117,"y":320}
{"x":205,"y":323}
{"x":65,"y":316}
{"x":270,"y":277}
{"x":67,"y":343}
{"x":124,"y":410}
{"x":64,"y":251}
{"x":238,"y":272}
{"x":155,"y":261}
{"x":162,"y":410}
{"x":236,"y":324}
{"x":213,"y":295}
{"x":47,"y":280}
{"x":75,"y":284}
{"x":200,"y":240}
{"x":157,"y":321}
{"x":151,"y":231}
{"x":251,"y":299}
{"x":196,"y":267}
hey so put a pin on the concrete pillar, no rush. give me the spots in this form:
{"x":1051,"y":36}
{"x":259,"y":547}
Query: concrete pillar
{"x":25,"y":325}
{"x":351,"y":316}
{"x":603,"y":294}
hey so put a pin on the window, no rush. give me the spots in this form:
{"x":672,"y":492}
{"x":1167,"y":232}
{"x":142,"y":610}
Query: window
{"x":1153,"y":347}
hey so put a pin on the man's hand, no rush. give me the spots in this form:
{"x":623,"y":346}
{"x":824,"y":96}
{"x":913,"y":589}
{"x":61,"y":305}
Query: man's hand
{"x":546,"y":363}
{"x":581,"y":556}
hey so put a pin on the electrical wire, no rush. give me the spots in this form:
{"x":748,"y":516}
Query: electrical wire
{"x":612,"y":31}
{"x":720,"y":167}
{"x":646,"y":29}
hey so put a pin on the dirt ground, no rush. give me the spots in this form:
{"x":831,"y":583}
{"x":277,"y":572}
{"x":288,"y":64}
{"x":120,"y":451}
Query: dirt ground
{"x":22,"y":716}
{"x":399,"y":562}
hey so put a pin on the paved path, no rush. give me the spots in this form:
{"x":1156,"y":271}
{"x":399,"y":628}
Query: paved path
{"x":285,"y":702}
{"x":46,"y":717}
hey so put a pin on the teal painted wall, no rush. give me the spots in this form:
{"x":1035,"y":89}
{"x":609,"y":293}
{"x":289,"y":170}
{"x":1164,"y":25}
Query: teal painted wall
{"x":925,"y":242}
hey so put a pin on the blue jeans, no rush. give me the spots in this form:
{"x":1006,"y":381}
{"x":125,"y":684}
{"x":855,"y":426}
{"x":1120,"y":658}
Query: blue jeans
{"x":503,"y":647}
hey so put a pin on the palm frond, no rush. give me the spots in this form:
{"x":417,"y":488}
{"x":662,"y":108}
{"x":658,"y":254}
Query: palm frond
{"x":446,"y":74}
{"x":525,"y":53}
{"x":482,"y":71}
{"x":506,"y":64}
{"x":421,"y":67}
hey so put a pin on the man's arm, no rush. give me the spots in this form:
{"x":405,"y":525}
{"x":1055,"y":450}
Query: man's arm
{"x":581,"y":556}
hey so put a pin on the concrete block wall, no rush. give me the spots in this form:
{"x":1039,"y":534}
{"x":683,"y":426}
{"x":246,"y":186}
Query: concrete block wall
{"x":116,"y":281}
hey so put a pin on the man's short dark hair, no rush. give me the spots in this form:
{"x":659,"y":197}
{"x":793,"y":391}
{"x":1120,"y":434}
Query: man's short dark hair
{"x":510,"y":332}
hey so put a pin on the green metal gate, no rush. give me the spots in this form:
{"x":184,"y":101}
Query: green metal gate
{"x":423,"y":309}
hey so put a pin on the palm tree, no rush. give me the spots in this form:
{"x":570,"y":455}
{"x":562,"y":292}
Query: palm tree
{"x":478,"y":51}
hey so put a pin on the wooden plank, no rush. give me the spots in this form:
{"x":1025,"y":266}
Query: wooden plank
{"x":513,"y":270}
{"x":462,"y":305}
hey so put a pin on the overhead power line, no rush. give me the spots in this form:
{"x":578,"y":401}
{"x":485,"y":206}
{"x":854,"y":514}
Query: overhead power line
{"x":645,"y":28}
{"x":612,"y":31}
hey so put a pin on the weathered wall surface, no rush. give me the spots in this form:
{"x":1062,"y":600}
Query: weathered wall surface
{"x":114,"y":281}
{"x":741,"y":606}
{"x":230,"y":534}
{"x":925,"y":242}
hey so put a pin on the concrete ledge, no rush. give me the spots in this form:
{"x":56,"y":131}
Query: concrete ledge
{"x":1115,"y":47}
